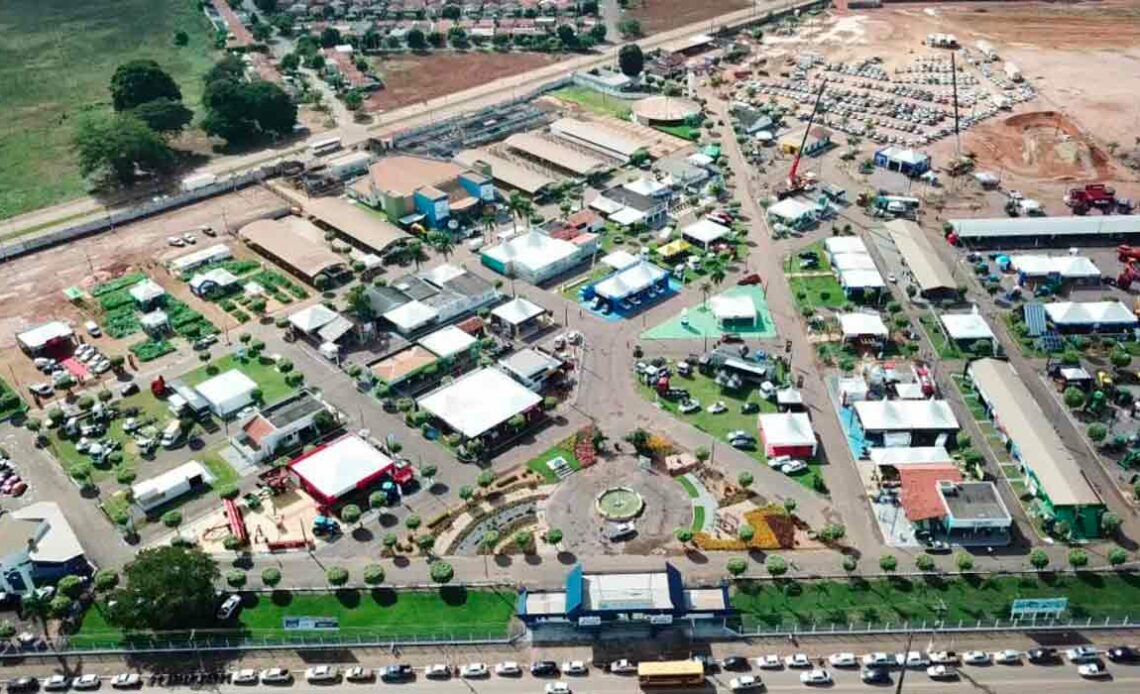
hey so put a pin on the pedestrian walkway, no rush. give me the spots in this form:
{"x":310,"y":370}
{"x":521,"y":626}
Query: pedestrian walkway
{"x":704,"y":504}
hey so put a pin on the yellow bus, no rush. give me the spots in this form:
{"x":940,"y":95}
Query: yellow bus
{"x":671,"y":673}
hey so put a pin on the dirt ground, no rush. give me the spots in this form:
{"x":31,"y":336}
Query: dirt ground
{"x":411,"y":79}
{"x":661,"y":15}
{"x":31,"y":288}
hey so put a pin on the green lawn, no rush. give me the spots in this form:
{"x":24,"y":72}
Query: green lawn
{"x":792,"y":261}
{"x":685,"y":132}
{"x":698,"y":518}
{"x":379,"y":614}
{"x":594,"y":101}
{"x":56,"y":61}
{"x":565,"y":449}
{"x":10,"y":401}
{"x":689,"y":488}
{"x":817,"y":291}
{"x":262,"y":370}
{"x":898,"y":600}
{"x":719,"y":425}
{"x":223,"y":472}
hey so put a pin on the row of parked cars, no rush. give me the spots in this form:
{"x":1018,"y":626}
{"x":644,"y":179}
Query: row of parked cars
{"x":403,"y":672}
{"x":60,"y":683}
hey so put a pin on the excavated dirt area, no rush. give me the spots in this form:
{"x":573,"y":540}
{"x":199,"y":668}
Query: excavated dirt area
{"x":1041,"y":144}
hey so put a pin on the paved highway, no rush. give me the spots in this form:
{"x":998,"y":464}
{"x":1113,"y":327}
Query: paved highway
{"x":1059,"y":679}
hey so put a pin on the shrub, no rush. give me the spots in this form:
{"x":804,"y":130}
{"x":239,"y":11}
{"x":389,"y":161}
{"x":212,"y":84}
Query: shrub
{"x":271,"y":576}
{"x":1038,"y":559}
{"x":228,"y":491}
{"x":1078,"y":559}
{"x":737,"y":565}
{"x":888,"y":563}
{"x":1117,"y":556}
{"x":776,"y":565}
{"x":849,"y":563}
{"x":125,"y":476}
{"x":373,"y":574}
{"x":235,"y":578}
{"x":924,"y":562}
{"x":442,"y":572}
{"x":336,"y":575}
{"x":106,"y":579}
{"x":964,"y":561}
{"x":412,"y":522}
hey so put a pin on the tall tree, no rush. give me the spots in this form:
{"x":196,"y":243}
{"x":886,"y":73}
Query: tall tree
{"x":139,"y":81}
{"x":241,"y":111}
{"x":120,"y":145}
{"x":166,"y":588}
{"x":630,"y":60}
{"x":417,"y":40}
{"x":164,"y":115}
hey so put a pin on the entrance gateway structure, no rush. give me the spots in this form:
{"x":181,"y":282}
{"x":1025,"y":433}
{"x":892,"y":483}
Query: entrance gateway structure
{"x":607,"y":606}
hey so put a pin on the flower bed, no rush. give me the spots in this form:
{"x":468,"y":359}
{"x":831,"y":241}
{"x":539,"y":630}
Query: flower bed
{"x":774,"y":529}
{"x":584,"y":449}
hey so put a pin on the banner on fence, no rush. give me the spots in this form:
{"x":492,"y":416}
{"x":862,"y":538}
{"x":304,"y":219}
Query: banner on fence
{"x":1038,"y":607}
{"x":310,"y":623}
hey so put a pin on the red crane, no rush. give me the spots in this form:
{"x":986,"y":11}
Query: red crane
{"x":795,"y":184}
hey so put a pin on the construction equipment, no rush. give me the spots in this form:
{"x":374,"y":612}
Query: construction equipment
{"x":795,"y":184}
{"x":1096,"y":196}
{"x":1130,"y":274}
{"x":1126,"y":253}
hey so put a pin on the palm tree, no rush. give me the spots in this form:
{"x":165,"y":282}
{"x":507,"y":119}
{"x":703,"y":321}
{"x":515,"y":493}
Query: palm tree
{"x":488,"y":220}
{"x":717,"y":273}
{"x":441,"y":242}
{"x":519,"y":207}
{"x":705,"y":289}
{"x":416,"y":252}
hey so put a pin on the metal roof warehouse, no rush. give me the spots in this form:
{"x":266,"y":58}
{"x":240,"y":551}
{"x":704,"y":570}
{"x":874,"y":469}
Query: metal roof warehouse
{"x":1045,"y":228}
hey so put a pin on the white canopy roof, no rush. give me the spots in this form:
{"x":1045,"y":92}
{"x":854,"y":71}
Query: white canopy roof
{"x":1067,"y":266}
{"x":922,"y":455}
{"x":630,"y":281}
{"x":412,"y":315}
{"x":705,"y":231}
{"x":620,"y":259}
{"x":532,"y":250}
{"x":447,"y":342}
{"x":1090,"y":313}
{"x":787,"y":429}
{"x":518,"y":311}
{"x":605,"y":205}
{"x":228,"y":391}
{"x":146,"y":290}
{"x":479,"y":401}
{"x":336,"y":469}
{"x":153,"y":491}
{"x":312,"y":318}
{"x":836,"y":245}
{"x":791,"y":209}
{"x":861,"y":279}
{"x":856,"y":324}
{"x":42,"y":334}
{"x":733,"y":307}
{"x":905,"y":415}
{"x":845,"y":262}
{"x":528,"y":363}
{"x":966,"y":326}
{"x":202,"y":256}
{"x":626,"y":216}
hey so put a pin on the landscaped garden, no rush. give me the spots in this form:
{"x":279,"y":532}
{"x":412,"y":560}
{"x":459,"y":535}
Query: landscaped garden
{"x":930,"y":598}
{"x":10,"y":402}
{"x":273,"y":383}
{"x":379,"y":614}
{"x":241,"y":304}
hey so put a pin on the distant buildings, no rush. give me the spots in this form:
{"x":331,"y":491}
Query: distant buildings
{"x":411,"y":190}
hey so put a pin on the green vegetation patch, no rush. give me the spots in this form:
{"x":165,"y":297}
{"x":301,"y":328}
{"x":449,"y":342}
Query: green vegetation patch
{"x":150,"y":350}
{"x":262,"y":370}
{"x":563,"y":449}
{"x":594,"y":101}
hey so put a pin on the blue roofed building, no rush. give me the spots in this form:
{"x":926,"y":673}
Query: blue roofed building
{"x":623,"y":605}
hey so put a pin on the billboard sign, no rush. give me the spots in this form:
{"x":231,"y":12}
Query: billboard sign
{"x":1038,"y":607}
{"x":310,"y":623}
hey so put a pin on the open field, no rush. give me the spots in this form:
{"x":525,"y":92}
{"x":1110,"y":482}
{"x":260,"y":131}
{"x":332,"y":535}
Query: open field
{"x":902,"y":599}
{"x":662,"y":15}
{"x":412,"y":79}
{"x":594,"y":101}
{"x":379,"y":613}
{"x":56,"y":61}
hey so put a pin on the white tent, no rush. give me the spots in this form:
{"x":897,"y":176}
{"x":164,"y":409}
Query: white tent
{"x":856,"y":325}
{"x":905,"y":415}
{"x":966,"y":326}
{"x":517,"y":311}
{"x":479,"y":401}
{"x":705,"y":232}
{"x":170,"y":485}
{"x":227,"y":392}
{"x":40,"y":336}
{"x":447,"y":342}
{"x":837,"y":245}
{"x":620,"y":259}
{"x":634,"y":279}
{"x":411,"y":316}
{"x":1106,"y":313}
{"x":728,"y":308}
{"x":792,"y":212}
{"x":313,"y":318}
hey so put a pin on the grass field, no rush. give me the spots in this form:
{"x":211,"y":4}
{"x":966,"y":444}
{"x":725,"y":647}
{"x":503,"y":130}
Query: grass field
{"x":56,"y":60}
{"x":900,"y":600}
{"x":379,"y":614}
{"x":565,"y":449}
{"x":268,"y":379}
{"x":594,"y":101}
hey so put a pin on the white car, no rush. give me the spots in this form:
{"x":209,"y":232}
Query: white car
{"x":85,"y":682}
{"x":717,"y":407}
{"x":127,"y":680}
{"x":322,"y":673}
{"x":815,"y":677}
{"x":623,"y":667}
{"x":798,"y":660}
{"x":878,"y":659}
{"x":943,"y":657}
{"x":438,"y":671}
{"x":1082,"y":654}
{"x":574,"y":667}
{"x":745,"y":683}
{"x":843,"y":660}
{"x":190,"y":238}
{"x":976,"y":658}
{"x":276,"y":675}
{"x":557,"y":688}
{"x":230,"y":604}
{"x":359,"y":674}
{"x":1092,"y":671}
{"x":508,"y":668}
{"x":175,"y":241}
{"x":44,"y":390}
{"x":474,"y":670}
{"x":1007,"y":657}
{"x":56,"y":683}
{"x":769,"y":662}
{"x":915,"y":659}
{"x":690,"y":405}
{"x":246,"y":676}
{"x":941,"y":672}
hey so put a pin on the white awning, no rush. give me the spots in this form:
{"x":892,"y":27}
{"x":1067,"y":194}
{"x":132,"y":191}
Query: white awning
{"x":859,"y":324}
{"x":447,"y":342}
{"x":733,"y":308}
{"x":705,"y":231}
{"x":620,"y":259}
{"x":787,"y":429}
{"x":412,"y":315}
{"x":906,"y":415}
{"x":630,"y":281}
{"x":966,"y":326}
{"x":479,"y":401}
{"x":313,"y":318}
{"x":518,"y":311}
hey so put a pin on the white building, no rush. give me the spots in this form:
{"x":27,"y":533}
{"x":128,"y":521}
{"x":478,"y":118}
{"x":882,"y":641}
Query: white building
{"x":213,"y":282}
{"x":203,"y":256}
{"x":537,"y":257}
{"x":278,"y":427}
{"x":47,"y":336}
{"x":156,"y":491}
{"x":346,"y":465}
{"x":531,"y":368}
{"x":705,"y":232}
{"x":1090,"y":316}
{"x":519,"y":316}
{"x":793,"y":213}
{"x":37,"y":547}
{"x":787,"y":433}
{"x":227,"y":393}
{"x":478,"y":403}
{"x":859,"y":326}
{"x":892,"y":423}
{"x":448,"y":342}
{"x":967,"y":327}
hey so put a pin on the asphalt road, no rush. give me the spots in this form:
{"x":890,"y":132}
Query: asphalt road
{"x":994,"y":680}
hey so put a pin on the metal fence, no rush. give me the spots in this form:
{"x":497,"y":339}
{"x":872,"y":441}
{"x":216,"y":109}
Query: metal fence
{"x":37,"y":242}
{"x":959,"y":627}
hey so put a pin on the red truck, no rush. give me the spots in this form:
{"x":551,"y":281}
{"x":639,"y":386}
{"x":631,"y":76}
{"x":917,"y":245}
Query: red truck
{"x":1093,"y":196}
